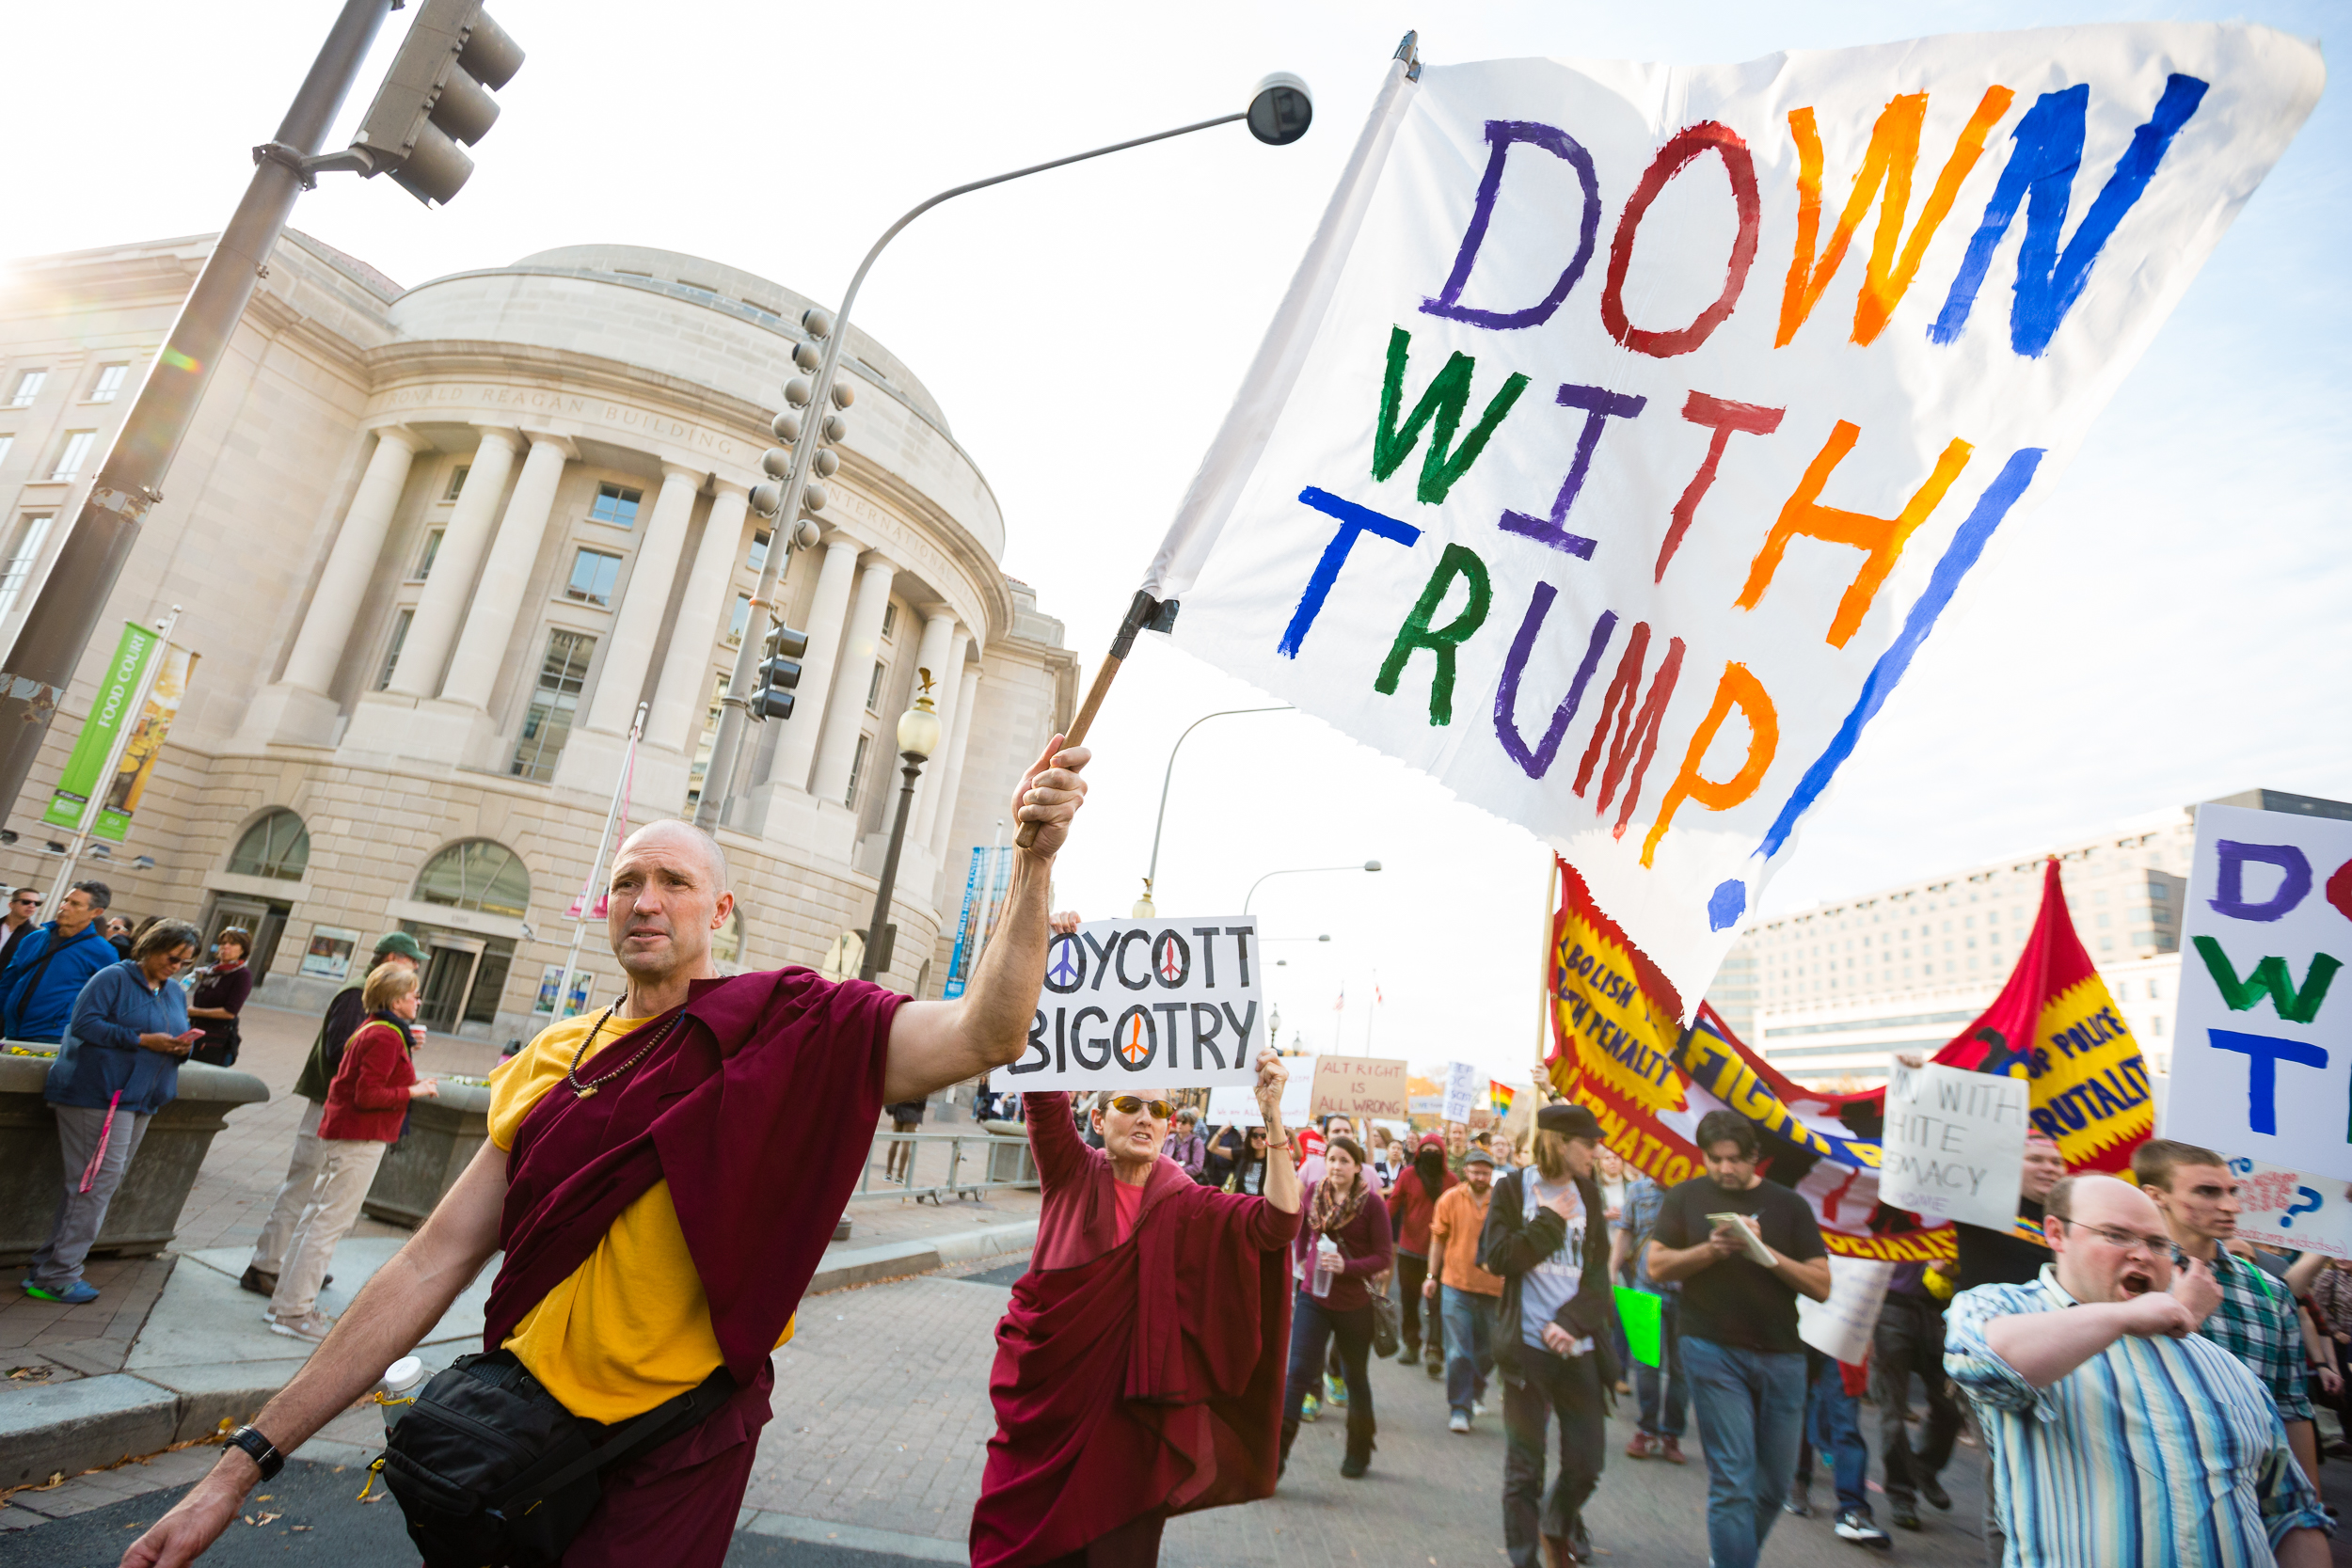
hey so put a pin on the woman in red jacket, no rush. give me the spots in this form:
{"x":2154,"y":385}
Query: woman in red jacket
{"x":366,"y":1104}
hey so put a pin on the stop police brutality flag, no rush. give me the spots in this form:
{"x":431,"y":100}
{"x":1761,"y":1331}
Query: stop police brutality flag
{"x":1627,"y":428}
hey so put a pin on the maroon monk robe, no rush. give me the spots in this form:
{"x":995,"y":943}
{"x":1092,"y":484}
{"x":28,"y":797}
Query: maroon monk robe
{"x":1131,"y":1376}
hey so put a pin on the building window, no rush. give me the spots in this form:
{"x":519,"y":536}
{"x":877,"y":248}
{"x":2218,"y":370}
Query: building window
{"x":31,"y":532}
{"x":391,"y":647}
{"x":108,"y":385}
{"x":28,"y":385}
{"x":594,"y":573}
{"x":425,"y":557}
{"x":456,"y":481}
{"x":616,"y":504}
{"x":890,"y":618}
{"x":277,"y":846}
{"x":757,"y":560}
{"x":873,"y":688}
{"x":6,"y":442}
{"x":74,"y":453}
{"x":477,"y":874}
{"x":549,"y":722}
{"x":857,"y":771}
{"x":739,"y":621}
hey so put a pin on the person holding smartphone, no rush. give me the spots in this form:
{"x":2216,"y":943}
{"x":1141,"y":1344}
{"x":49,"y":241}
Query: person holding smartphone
{"x":117,"y":1065}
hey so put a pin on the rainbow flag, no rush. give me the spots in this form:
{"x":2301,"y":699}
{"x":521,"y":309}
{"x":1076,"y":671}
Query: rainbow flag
{"x":1498,"y":1097}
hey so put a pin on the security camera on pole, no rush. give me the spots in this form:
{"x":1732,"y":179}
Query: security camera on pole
{"x":1279,"y":111}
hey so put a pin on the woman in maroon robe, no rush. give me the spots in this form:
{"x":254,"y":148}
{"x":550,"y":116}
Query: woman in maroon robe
{"x":1139,"y":1364}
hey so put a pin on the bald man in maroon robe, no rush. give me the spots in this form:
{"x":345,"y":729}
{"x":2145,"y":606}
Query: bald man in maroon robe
{"x":644,"y":1161}
{"x":1139,"y":1365}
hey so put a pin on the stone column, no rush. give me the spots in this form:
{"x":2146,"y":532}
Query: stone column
{"x":951,"y":777}
{"x":949,"y":674}
{"x":628,"y":650}
{"x":352,"y":561}
{"x":450,"y":589}
{"x":828,"y":620}
{"x":683,"y":696}
{"x":498,"y":597}
{"x":845,"y":710}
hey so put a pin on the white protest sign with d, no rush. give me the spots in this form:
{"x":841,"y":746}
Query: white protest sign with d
{"x":1954,"y":1148}
{"x":1150,"y":1004}
{"x":2288,"y":1209}
{"x":2262,"y":1061}
{"x":1628,"y":428}
{"x":1465,"y":1089}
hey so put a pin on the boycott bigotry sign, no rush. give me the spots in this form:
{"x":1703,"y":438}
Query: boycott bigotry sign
{"x":1627,"y":428}
{"x":1155,"y":1004}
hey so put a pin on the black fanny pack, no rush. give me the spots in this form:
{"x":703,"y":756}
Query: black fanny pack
{"x":492,"y":1471}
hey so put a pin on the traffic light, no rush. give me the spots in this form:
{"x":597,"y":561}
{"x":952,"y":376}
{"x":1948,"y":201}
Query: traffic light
{"x":779,"y":673}
{"x":437,"y":95}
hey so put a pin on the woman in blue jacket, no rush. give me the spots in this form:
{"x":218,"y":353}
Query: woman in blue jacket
{"x":117,"y":1065}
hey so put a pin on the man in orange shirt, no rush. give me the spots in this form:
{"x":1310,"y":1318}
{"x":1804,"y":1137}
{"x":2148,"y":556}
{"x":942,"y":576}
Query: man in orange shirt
{"x":1471,"y":1293}
{"x":613,"y":1295}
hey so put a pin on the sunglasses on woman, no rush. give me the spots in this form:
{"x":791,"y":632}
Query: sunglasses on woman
{"x":1128,"y":1104}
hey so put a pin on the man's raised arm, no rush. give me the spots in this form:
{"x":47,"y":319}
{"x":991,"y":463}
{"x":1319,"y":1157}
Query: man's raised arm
{"x":393,"y":1312}
{"x":933,"y":1044}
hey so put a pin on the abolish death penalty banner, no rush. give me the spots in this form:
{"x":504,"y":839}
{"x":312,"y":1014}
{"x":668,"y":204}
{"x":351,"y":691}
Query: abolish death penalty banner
{"x":1627,"y":428}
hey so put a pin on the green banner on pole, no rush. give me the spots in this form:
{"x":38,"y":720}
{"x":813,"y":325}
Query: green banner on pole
{"x":107,"y":715}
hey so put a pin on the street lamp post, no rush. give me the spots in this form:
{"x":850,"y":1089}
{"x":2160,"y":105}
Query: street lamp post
{"x":1144,"y":908}
{"x":1300,"y":871}
{"x":1279,"y":111}
{"x":918,"y":738}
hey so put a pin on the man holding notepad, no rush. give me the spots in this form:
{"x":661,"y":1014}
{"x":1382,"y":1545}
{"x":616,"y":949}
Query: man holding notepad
{"x":1743,"y":1249}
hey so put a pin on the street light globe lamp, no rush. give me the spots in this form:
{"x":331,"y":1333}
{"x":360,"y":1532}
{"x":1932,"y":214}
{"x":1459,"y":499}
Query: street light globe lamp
{"x":1280,"y":109}
{"x":918,"y":738}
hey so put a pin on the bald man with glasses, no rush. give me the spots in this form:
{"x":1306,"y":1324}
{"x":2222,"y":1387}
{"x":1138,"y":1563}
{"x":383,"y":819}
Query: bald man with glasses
{"x":2119,"y":1435}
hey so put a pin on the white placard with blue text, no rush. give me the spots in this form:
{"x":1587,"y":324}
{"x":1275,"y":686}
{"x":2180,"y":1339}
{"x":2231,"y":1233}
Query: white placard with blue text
{"x":1163,"y":1003}
{"x":2262,"y":1064}
{"x":2288,"y":1209}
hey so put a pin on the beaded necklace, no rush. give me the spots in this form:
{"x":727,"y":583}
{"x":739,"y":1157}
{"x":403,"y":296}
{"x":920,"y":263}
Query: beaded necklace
{"x":582,"y":1088}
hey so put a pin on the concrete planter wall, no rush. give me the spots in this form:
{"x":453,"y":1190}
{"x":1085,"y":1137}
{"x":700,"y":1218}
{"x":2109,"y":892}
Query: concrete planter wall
{"x":444,"y":1133}
{"x":145,"y":1213}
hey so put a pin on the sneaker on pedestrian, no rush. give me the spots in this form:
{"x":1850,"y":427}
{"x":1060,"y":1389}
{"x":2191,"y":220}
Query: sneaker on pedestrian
{"x":312,"y":1325}
{"x":1313,"y":1409}
{"x":1435,"y":1367}
{"x":1797,"y":1504}
{"x":256,"y":1281}
{"x":1932,"y":1490}
{"x":80,"y":1294}
{"x":1855,"y":1525}
{"x":1411,"y":1354}
{"x":1580,"y":1541}
{"x":1903,"y":1513}
{"x":1478,"y":1407}
{"x":1334,"y":1389}
{"x":1670,"y":1450}
{"x":1645,"y":1446}
{"x":1458,"y":1421}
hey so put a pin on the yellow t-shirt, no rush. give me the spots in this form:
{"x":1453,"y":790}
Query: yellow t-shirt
{"x":631,"y":1327}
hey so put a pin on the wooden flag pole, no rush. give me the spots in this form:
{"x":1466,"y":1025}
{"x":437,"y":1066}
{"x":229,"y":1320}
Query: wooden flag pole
{"x":1145,"y":613}
{"x":1543,"y":991}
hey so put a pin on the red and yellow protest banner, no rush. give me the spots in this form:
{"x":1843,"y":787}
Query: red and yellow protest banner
{"x":2054,"y":1024}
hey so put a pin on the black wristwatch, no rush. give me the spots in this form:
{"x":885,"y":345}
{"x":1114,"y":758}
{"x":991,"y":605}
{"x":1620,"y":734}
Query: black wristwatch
{"x":264,"y":1452}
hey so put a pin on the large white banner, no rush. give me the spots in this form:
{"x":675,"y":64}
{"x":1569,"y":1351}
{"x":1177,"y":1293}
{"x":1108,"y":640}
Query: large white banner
{"x":1160,"y":1004}
{"x":1629,"y":427}
{"x":2262,"y":1054}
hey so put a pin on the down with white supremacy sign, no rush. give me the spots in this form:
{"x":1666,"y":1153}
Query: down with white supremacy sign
{"x":1609,"y":461}
{"x":1954,"y":1147}
{"x":1159,"y":1004}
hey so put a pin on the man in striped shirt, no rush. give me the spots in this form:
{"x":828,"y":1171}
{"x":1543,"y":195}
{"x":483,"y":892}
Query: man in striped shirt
{"x":2119,"y":1435}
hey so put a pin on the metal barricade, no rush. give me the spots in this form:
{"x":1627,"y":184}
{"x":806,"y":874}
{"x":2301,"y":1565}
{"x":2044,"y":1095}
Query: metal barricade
{"x":938,"y":1166}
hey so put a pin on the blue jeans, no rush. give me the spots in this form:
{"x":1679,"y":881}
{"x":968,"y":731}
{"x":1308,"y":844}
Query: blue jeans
{"x":1469,"y":1345}
{"x":1751,"y":1410}
{"x":1832,"y":1426}
{"x":1314,"y":1329}
{"x":1663,"y":1418}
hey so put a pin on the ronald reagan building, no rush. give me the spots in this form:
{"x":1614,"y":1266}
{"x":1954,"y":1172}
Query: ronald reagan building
{"x":434,"y":546}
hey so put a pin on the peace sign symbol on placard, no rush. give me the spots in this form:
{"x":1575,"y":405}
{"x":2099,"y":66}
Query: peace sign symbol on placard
{"x":1064,"y":965}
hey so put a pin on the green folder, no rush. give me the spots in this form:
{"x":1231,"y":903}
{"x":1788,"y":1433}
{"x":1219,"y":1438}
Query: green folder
{"x":1644,"y":1320}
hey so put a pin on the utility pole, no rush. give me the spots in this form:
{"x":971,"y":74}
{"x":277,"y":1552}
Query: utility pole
{"x":435,"y":97}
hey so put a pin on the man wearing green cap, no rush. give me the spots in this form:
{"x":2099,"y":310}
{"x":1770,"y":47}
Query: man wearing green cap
{"x":344,"y":1015}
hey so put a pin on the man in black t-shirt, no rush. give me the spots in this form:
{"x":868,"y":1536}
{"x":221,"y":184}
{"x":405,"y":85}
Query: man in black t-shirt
{"x":1738,"y":1320}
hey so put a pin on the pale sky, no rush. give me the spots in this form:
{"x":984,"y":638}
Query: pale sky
{"x":2168,"y":627}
